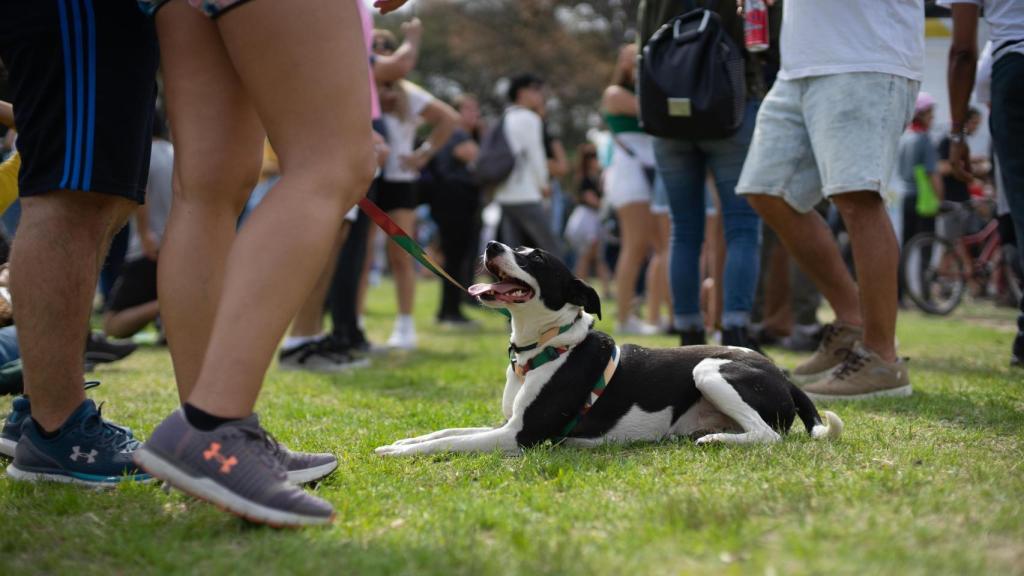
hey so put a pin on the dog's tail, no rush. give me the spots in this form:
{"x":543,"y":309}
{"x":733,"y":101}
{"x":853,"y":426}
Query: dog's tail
{"x":831,"y":429}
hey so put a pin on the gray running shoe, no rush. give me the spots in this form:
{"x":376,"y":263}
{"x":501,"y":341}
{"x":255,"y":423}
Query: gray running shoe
{"x":236,"y":466}
{"x":305,"y":467}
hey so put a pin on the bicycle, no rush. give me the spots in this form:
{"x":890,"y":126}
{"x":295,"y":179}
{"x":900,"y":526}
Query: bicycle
{"x":936,"y":269}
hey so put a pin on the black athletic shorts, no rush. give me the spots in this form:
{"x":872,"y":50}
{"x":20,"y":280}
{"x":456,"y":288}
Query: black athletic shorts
{"x":135,"y":286}
{"x":82,"y":77}
{"x":397,"y":196}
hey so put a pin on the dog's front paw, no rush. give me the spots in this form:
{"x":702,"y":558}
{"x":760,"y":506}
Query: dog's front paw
{"x":709,"y":439}
{"x":392,"y":450}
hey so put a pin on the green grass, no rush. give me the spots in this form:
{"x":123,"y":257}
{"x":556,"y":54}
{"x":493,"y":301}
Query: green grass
{"x":926,"y":485}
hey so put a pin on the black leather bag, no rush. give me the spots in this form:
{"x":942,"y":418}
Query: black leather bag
{"x":691,"y":81}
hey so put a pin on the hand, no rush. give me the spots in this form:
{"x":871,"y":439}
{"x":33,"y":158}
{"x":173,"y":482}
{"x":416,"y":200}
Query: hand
{"x":381,"y":149}
{"x":960,"y":161}
{"x":412,"y":30}
{"x":150,"y":245}
{"x":415,"y":161}
{"x":388,"y":6}
{"x":546,"y":191}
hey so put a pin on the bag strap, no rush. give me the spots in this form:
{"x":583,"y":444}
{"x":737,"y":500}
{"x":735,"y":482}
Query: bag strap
{"x":629,"y":150}
{"x":1004,"y":46}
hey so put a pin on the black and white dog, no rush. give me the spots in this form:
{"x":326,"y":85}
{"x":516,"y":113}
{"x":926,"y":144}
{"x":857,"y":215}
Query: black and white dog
{"x":568,"y":382}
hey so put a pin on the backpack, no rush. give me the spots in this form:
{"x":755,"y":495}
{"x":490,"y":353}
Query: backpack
{"x":495,"y":162}
{"x":691,"y":79}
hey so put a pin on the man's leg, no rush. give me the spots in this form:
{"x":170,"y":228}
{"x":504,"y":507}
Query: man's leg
{"x":808,"y":239}
{"x":876,"y":259}
{"x":55,"y":264}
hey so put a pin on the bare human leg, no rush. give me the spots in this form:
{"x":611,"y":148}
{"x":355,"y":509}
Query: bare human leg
{"x":635,"y":222}
{"x":309,"y":321}
{"x":322,"y":135}
{"x":218,"y":152}
{"x":62,"y":240}
{"x":810,"y":242}
{"x":876,"y":258}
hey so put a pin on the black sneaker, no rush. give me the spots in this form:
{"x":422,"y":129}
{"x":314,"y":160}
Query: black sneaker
{"x":692,"y":337}
{"x":1018,"y":351}
{"x":740,"y":337}
{"x":322,"y":356}
{"x":236,"y":466}
{"x":87,"y":450}
{"x":101,"y":350}
{"x":11,"y":379}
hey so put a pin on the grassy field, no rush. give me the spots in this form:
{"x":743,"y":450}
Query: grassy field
{"x":933,"y":484}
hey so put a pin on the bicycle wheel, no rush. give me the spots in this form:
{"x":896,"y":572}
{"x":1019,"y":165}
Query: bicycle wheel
{"x":933,"y":274}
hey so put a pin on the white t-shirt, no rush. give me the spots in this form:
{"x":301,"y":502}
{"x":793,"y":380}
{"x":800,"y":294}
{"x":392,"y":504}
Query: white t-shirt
{"x":822,"y":37}
{"x":402,"y":134}
{"x":1005,"y":19}
{"x":524,"y":130}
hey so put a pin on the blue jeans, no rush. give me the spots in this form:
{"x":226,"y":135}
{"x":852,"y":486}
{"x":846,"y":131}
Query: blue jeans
{"x":683,"y":165}
{"x":9,"y":345}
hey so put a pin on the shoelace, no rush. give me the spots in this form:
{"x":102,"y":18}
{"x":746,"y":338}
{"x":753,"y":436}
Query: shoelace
{"x":272,"y":455}
{"x":109,"y":434}
{"x":853,"y":362}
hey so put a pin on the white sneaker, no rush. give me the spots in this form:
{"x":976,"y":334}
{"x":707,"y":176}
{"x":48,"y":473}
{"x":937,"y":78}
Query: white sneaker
{"x":403,"y":338}
{"x":636,"y":327}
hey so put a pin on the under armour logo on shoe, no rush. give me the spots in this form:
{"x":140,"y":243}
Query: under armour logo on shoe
{"x":77,"y":454}
{"x":213,"y":453}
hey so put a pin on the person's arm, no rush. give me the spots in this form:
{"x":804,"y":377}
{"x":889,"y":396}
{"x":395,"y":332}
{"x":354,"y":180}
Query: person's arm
{"x":394,"y":67}
{"x":963,"y":60}
{"x":618,"y":100}
{"x":466,"y":151}
{"x":6,"y":114}
{"x":558,"y":164}
{"x":443,"y":118}
{"x":149,"y":241}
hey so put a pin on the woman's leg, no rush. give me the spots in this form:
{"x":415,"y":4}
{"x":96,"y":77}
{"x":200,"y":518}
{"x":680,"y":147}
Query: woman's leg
{"x":657,"y":270}
{"x":217,"y":156}
{"x":636,"y":224}
{"x":309,"y":320}
{"x":402,"y":264}
{"x":306,"y":71}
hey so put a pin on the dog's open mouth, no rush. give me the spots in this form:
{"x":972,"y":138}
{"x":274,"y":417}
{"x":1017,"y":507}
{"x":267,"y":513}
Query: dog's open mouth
{"x":506,"y":289}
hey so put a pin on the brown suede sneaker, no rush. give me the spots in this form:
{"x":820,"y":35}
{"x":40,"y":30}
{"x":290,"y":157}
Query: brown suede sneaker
{"x":862,"y":375}
{"x":836,"y":340}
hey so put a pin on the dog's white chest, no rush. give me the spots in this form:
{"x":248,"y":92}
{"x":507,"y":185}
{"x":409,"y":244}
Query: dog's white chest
{"x":638,"y":424}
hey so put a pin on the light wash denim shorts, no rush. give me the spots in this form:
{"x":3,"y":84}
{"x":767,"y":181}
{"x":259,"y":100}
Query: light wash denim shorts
{"x":825,"y":135}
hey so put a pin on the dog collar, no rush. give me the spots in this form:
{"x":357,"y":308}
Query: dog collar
{"x":546,"y":336}
{"x":595,"y":393}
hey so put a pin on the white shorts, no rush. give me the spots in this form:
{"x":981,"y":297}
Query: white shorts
{"x":626,"y":181}
{"x":825,"y":135}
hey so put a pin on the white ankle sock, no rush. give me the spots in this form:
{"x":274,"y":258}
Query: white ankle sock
{"x":292,"y":342}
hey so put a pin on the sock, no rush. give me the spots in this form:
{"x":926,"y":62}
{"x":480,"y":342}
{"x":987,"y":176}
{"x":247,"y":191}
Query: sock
{"x":293,"y":342}
{"x":44,"y":433}
{"x":203,"y":420}
{"x":404,"y":321}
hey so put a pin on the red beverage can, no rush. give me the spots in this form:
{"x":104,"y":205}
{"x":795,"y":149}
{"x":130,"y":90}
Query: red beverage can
{"x":755,"y":25}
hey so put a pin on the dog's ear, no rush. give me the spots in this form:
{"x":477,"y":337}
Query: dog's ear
{"x":583,"y":295}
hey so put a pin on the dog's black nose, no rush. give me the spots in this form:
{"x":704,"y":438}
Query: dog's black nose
{"x":494,"y":249}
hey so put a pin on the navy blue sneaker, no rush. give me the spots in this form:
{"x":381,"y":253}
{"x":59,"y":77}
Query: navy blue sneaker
{"x":21,"y":409}
{"x":87,"y":450}
{"x":11,"y":432}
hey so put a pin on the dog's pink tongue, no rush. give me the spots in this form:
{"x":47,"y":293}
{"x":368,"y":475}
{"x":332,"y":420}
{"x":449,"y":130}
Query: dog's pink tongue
{"x":498,"y":288}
